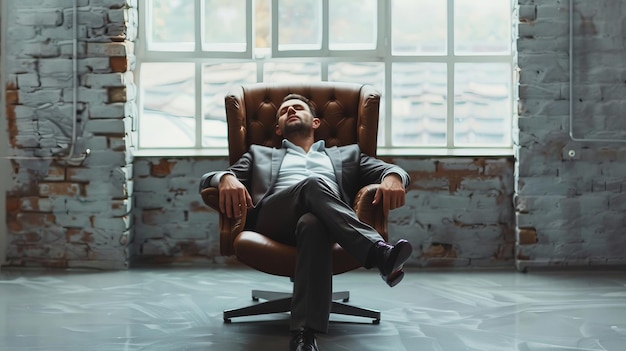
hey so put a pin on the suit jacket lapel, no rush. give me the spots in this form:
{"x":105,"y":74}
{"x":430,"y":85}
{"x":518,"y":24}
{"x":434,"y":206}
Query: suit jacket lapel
{"x":335,"y":157}
{"x":277,"y":158}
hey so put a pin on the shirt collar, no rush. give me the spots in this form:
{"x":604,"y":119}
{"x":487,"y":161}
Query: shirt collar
{"x":317,"y":146}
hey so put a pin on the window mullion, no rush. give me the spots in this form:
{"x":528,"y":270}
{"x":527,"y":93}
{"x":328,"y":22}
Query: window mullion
{"x":325,"y":29}
{"x":384,"y":42}
{"x":199,"y":26}
{"x":450,"y":77}
{"x":274,"y":27}
{"x":199,"y":108}
{"x":250,"y":20}
{"x":199,"y":34}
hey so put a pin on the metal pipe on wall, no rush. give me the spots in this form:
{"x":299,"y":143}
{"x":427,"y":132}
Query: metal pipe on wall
{"x":571,"y":87}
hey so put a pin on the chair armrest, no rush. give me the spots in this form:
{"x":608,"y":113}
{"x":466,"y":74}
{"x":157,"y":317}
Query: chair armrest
{"x":229,"y":228}
{"x":369,"y":213}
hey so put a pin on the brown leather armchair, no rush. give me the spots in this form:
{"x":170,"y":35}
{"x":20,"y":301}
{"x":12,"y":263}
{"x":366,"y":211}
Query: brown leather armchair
{"x":348,"y":114}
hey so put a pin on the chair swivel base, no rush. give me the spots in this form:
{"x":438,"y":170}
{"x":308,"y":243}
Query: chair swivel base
{"x":279,"y":302}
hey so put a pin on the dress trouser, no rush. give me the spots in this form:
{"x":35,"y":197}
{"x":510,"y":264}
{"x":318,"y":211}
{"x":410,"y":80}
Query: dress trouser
{"x":312,"y":217}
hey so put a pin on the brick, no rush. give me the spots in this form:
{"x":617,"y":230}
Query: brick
{"x":527,"y":13}
{"x":154,"y":217}
{"x":118,"y":224}
{"x":121,"y":208}
{"x":110,"y":110}
{"x":118,"y":94}
{"x":527,"y":236}
{"x":119,"y":144}
{"x":105,"y":80}
{"x":110,"y":49}
{"x":106,"y":158}
{"x":50,"y":17}
{"x":28,"y":80}
{"x":51,"y":3}
{"x":119,"y":15}
{"x":94,"y":17}
{"x":40,"y":50}
{"x":98,"y":189}
{"x":114,"y":4}
{"x":59,"y":188}
{"x":106,"y":126}
{"x":96,"y":65}
{"x":33,"y":220}
{"x":120,"y":63}
{"x":39,"y":96}
{"x":99,"y":143}
{"x":162,"y":169}
{"x":21,"y":32}
{"x":64,"y":81}
{"x":85,"y":95}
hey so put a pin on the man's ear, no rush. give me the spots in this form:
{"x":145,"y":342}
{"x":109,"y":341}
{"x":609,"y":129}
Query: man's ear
{"x":277,"y":130}
{"x":316,"y":122}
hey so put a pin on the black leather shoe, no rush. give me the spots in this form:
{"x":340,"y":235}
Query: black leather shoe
{"x":391,"y":258}
{"x":303,"y":340}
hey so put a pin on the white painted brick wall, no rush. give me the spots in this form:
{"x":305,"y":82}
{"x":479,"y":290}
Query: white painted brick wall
{"x":459,"y":212}
{"x":463,"y":203}
{"x":47,"y":199}
{"x":565,"y":215}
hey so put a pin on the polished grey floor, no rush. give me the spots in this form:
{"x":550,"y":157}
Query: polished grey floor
{"x":181,"y":309}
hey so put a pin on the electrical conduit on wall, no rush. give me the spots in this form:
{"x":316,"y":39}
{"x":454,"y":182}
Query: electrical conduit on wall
{"x":572,"y":153}
{"x":70,"y":157}
{"x":4,"y":145}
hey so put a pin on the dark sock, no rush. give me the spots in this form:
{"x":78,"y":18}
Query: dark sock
{"x":372,"y":260}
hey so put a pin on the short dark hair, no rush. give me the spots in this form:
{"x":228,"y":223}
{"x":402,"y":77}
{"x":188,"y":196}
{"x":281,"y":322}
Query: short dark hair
{"x":294,"y":96}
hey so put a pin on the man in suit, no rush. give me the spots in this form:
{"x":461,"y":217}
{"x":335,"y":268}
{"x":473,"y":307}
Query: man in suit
{"x":299,"y":194}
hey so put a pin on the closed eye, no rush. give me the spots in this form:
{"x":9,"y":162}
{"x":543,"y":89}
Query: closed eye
{"x":295,"y":107}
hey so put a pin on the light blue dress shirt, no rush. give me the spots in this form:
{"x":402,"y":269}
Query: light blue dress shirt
{"x":299,"y":165}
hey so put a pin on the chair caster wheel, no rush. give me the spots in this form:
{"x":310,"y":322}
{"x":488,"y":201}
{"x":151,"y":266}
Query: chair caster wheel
{"x":376,"y":321}
{"x":255,"y":299}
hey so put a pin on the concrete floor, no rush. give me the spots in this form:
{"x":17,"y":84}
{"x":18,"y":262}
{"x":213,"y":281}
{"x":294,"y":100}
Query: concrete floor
{"x":181,"y":309}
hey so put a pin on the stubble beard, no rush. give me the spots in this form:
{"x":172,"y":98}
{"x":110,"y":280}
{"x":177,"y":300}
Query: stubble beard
{"x":296,"y":129}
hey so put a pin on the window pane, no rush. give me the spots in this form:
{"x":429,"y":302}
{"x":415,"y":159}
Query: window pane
{"x":171,"y":25}
{"x":419,"y":27}
{"x":292,"y":72}
{"x":353,"y":24}
{"x":225,"y":25}
{"x":482,"y":104}
{"x":419,"y":104}
{"x":482,"y":27}
{"x":217,"y":80}
{"x":372,"y":73}
{"x":168,"y":99}
{"x":299,"y":25}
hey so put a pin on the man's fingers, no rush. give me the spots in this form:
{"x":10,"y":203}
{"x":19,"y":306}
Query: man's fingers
{"x":377,"y":196}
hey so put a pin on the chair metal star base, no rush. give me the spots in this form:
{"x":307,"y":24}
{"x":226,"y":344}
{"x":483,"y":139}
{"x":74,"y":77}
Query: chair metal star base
{"x":280,"y":302}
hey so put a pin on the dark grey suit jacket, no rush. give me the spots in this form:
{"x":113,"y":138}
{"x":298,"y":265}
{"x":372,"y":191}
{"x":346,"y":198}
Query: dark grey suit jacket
{"x":258,"y":170}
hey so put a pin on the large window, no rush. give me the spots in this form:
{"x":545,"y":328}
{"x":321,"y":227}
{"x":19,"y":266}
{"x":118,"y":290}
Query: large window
{"x":444,"y":67}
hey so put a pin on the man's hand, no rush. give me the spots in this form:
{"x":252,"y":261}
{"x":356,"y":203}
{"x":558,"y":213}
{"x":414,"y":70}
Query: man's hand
{"x":234,"y":197}
{"x":391,"y":192}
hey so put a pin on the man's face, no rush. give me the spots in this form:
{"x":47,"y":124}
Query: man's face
{"x":295,"y":117}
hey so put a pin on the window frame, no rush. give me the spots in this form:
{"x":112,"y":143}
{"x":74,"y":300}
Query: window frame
{"x":324,"y":56}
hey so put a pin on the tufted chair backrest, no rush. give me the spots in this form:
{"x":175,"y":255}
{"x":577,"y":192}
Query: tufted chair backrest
{"x":348,"y":113}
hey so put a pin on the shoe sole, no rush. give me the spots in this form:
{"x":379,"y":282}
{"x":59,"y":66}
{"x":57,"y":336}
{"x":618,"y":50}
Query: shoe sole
{"x":402,"y":251}
{"x":394,"y":278}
